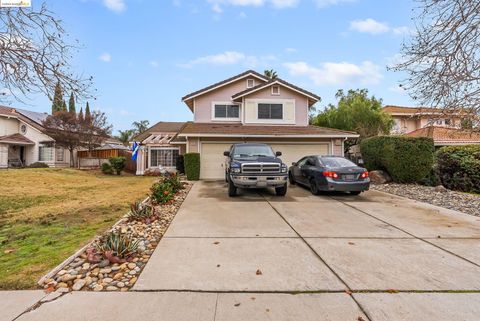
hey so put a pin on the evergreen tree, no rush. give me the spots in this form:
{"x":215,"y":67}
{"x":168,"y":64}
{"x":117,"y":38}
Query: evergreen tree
{"x":80,"y":115}
{"x":64,"y":106}
{"x":71,"y":104}
{"x":88,"y":115}
{"x":57,"y":99}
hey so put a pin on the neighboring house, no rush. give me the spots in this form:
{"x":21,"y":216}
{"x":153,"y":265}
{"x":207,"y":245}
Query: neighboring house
{"x":248,"y":107}
{"x":443,"y":136}
{"x":408,"y":119}
{"x":442,"y":127}
{"x":23,"y":140}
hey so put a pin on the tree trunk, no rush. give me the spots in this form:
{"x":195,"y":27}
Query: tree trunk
{"x":72,"y":159}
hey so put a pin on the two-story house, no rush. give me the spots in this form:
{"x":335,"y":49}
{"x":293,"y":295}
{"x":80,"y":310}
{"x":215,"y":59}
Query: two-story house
{"x":23,"y":140}
{"x":248,"y":107}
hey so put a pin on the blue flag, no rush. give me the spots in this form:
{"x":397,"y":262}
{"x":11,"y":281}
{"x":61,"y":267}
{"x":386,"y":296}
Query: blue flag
{"x":135,"y":147}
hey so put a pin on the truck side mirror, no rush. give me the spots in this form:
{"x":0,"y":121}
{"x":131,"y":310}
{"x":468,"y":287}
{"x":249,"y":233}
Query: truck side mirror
{"x":278,"y":154}
{"x":226,"y":153}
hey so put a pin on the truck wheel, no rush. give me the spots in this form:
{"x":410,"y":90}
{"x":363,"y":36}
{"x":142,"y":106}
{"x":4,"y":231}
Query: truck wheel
{"x":232,"y":189}
{"x":281,"y":191}
{"x":291,"y":179}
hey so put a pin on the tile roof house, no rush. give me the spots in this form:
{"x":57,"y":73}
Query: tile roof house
{"x":23,"y":140}
{"x":248,"y":107}
{"x":442,"y":127}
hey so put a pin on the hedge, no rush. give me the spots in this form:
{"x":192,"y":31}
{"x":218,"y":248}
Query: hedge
{"x":459,"y":167}
{"x":406,"y":159}
{"x":192,"y":166}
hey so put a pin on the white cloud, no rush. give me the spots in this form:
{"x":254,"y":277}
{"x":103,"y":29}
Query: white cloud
{"x":403,"y":30}
{"x":154,"y":63}
{"x":369,"y":26}
{"x":115,"y":5}
{"x":280,"y":4}
{"x":231,"y":58}
{"x":216,"y":8}
{"x":397,"y":89}
{"x":242,"y":15}
{"x":277,"y":4}
{"x":106,"y":57}
{"x":337,"y":73}
{"x":327,"y":3}
{"x":291,"y":50}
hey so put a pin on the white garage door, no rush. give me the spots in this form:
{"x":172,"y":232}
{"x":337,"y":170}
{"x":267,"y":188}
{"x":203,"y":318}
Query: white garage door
{"x":293,"y":152}
{"x":212,"y":160}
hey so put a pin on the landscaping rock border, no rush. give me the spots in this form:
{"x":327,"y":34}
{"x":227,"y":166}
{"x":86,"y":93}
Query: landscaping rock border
{"x":76,"y":273}
{"x":458,"y":201}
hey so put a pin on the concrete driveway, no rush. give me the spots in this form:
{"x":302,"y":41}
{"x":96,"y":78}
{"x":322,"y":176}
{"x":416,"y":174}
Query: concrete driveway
{"x":301,"y":257}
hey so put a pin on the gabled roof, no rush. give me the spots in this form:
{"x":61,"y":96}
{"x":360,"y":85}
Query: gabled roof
{"x":239,"y":130}
{"x":37,"y":117}
{"x":222,"y":83}
{"x":277,"y":81}
{"x":447,"y":136}
{"x":160,"y":127}
{"x":32,"y":118}
{"x":16,"y":139}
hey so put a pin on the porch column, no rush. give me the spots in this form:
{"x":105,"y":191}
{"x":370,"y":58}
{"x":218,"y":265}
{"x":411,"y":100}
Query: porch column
{"x":3,"y":155}
{"x":140,"y":161}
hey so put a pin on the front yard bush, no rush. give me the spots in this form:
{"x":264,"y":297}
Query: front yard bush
{"x":406,"y":159}
{"x":38,"y":165}
{"x":162,"y":192}
{"x":106,"y":169}
{"x":192,"y":166}
{"x":174,"y":180}
{"x":117,"y":247}
{"x":459,"y":167}
{"x":118,"y":164}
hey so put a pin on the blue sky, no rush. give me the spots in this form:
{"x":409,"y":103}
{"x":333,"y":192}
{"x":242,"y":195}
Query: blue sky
{"x":145,"y":55}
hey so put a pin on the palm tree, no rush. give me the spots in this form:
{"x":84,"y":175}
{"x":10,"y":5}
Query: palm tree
{"x":140,"y":126}
{"x":125,"y":135}
{"x":270,"y":73}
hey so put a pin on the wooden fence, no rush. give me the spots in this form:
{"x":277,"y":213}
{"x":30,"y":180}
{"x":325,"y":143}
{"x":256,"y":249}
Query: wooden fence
{"x":96,"y":158}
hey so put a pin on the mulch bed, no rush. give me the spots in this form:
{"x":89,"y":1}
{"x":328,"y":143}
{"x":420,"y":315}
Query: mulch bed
{"x":79,"y":274}
{"x":459,"y":201}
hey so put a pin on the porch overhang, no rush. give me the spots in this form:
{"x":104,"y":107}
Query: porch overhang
{"x":16,"y":139}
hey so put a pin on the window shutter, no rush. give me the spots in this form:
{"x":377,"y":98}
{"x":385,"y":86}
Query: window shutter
{"x":250,"y":111}
{"x":289,"y":111}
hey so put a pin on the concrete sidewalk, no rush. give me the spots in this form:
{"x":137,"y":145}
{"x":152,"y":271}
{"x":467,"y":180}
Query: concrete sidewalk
{"x":261,"y":257}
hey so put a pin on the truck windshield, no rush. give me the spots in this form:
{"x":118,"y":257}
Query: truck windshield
{"x":253,"y":151}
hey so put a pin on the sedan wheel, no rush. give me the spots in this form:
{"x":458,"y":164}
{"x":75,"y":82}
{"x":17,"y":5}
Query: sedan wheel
{"x":314,"y":187}
{"x":291,"y":179}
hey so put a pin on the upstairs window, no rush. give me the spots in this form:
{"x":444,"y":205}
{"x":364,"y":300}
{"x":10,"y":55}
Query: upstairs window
{"x":227,"y":111}
{"x":270,"y":111}
{"x":276,"y":90}
{"x":250,"y":83}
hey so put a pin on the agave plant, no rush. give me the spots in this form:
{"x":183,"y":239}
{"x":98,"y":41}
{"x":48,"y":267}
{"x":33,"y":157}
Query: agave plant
{"x":117,"y":246}
{"x":141,"y":212}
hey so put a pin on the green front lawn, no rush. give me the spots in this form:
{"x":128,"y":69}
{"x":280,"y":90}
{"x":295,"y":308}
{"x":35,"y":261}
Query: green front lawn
{"x":47,"y":214}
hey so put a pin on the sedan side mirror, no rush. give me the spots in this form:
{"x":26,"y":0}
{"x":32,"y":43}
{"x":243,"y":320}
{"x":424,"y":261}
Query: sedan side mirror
{"x":278,"y":154}
{"x":294,"y":163}
{"x":226,"y":153}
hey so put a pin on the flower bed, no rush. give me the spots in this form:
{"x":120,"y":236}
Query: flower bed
{"x":458,"y":201}
{"x":99,"y":268}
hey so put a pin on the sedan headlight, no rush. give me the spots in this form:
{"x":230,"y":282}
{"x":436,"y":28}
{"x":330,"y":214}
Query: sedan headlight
{"x":284,"y":168}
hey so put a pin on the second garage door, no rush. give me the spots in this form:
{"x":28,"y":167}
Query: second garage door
{"x":293,"y":152}
{"x":212,"y":159}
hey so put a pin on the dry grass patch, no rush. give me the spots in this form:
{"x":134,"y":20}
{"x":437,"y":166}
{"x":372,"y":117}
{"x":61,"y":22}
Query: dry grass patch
{"x":46,"y":214}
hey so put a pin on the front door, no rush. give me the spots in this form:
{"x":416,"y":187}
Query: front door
{"x":22,"y":155}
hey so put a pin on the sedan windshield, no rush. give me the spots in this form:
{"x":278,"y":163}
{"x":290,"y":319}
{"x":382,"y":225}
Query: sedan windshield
{"x":336,"y":162}
{"x":253,"y":151}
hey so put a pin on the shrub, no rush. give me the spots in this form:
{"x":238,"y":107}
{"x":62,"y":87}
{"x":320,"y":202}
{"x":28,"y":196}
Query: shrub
{"x":162,"y":192}
{"x":118,"y":164}
{"x":432,"y":178}
{"x":180,"y":165}
{"x":107,"y":168}
{"x":459,"y":167}
{"x":38,"y":165}
{"x":406,"y":159}
{"x":192,"y":166}
{"x":117,"y":245}
{"x":174,"y":181}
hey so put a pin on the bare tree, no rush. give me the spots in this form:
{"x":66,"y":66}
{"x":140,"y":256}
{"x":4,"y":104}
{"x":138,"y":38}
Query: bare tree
{"x":34,"y":55}
{"x":442,"y":59}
